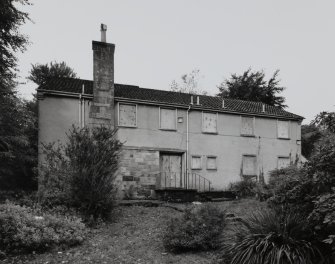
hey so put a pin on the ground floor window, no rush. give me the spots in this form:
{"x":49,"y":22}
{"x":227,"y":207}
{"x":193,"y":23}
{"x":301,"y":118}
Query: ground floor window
{"x":196,"y":163}
{"x":211,"y":163}
{"x":249,"y":165}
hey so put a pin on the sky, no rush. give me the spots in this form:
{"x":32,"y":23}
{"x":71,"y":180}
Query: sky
{"x":157,"y":41}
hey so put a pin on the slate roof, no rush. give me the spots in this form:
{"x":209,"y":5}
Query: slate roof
{"x":72,"y":85}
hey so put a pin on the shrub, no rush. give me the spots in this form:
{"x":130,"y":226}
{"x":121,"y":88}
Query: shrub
{"x":244,"y":188}
{"x":199,"y":228}
{"x":24,"y":230}
{"x":266,"y":237}
{"x":82,"y":172}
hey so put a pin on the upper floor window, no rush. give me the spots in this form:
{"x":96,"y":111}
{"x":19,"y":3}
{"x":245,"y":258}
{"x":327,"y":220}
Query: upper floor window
{"x":247,"y":126}
{"x":209,"y":122}
{"x":249,"y":165}
{"x":283,"y":162}
{"x":168,"y":118}
{"x":127,"y":115}
{"x":283,"y":129}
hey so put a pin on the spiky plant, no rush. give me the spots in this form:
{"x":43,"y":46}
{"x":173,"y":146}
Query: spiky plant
{"x":269,"y":238}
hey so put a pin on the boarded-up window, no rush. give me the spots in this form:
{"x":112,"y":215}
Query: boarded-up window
{"x":249,"y":165}
{"x":211,"y":163}
{"x":283,"y":129}
{"x":209,"y":122}
{"x":167,"y":118}
{"x":247,"y":127}
{"x":196,"y":162}
{"x":283,"y":162}
{"x":127,"y":115}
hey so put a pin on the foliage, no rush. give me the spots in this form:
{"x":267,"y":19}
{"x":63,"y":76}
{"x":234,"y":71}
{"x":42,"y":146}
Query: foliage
{"x":189,"y":83}
{"x":291,"y":188}
{"x":268,"y":237}
{"x":244,"y":188}
{"x":18,"y":144}
{"x":310,"y":134}
{"x":199,"y":228}
{"x":24,"y":230}
{"x":325,"y":121}
{"x":252,"y":86}
{"x":81,"y":173}
{"x":40,"y":73}
{"x":11,"y":41}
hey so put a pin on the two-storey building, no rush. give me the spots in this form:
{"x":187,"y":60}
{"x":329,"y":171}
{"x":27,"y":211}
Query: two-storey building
{"x":171,"y":139}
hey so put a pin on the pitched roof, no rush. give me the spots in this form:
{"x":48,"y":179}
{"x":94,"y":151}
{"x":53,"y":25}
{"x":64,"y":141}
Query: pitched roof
{"x":71,"y":85}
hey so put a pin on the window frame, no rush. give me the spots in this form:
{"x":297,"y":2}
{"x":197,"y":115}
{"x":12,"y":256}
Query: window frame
{"x":256,"y":165}
{"x":176,"y":119}
{"x":216,"y":164}
{"x":202,"y":122}
{"x":288,"y":132}
{"x":196,"y":156}
{"x":283,"y":157}
{"x":118,"y":114}
{"x":253,"y":127}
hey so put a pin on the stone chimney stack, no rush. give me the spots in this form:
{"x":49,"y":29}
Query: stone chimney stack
{"x":102,"y":108}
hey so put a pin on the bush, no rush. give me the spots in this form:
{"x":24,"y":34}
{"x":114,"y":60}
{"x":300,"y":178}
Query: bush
{"x":267,"y":237}
{"x":199,"y":228}
{"x":82,"y":172}
{"x":24,"y":230}
{"x":244,"y":188}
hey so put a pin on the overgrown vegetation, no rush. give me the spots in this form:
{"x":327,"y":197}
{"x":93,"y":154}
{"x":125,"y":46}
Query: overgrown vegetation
{"x":199,"y":228}
{"x":269,"y":237}
{"x":81,"y":173}
{"x":23,"y":229}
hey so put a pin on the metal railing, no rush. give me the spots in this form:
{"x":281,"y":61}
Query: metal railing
{"x":167,"y":180}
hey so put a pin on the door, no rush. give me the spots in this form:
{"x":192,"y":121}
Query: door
{"x":171,"y":171}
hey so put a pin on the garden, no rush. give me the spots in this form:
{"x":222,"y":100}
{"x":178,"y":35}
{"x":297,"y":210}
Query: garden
{"x":74,"y":216}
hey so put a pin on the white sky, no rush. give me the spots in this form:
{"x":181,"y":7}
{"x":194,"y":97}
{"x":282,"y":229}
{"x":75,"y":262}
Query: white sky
{"x":157,"y":41}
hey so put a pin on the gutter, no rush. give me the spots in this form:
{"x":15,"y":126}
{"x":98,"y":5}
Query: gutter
{"x":182,"y":106}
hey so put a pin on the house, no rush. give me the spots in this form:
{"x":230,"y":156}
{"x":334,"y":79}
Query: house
{"x":171,"y":139}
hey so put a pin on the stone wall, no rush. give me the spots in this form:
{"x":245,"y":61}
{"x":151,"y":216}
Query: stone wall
{"x":138,"y":171}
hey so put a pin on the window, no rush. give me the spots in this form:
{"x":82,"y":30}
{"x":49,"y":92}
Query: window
{"x":209,"y":122}
{"x":196,"y":163}
{"x":127,"y":115}
{"x":211,"y":163}
{"x":167,"y":119}
{"x":283,"y":129}
{"x":249,"y":167}
{"x":247,"y":126}
{"x":283,"y":162}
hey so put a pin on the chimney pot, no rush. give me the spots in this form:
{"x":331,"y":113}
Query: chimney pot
{"x":198,"y":100}
{"x":103,"y":29}
{"x":223,"y":103}
{"x":263,"y":108}
{"x":191,"y":99}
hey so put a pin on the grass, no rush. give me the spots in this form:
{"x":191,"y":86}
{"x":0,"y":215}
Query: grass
{"x":134,"y":237}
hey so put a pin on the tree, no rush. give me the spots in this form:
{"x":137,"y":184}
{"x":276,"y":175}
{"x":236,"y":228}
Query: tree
{"x":189,"y":83}
{"x":11,"y":41}
{"x":310,"y":134}
{"x":17,"y":158}
{"x":40,"y":73}
{"x":252,"y":86}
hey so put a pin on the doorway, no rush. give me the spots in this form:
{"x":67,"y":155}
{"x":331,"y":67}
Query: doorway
{"x":170,"y":170}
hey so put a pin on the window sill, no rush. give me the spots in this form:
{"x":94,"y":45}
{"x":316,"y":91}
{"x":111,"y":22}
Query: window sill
{"x":210,"y":133}
{"x":127,"y":126}
{"x":246,"y":135}
{"x":196,"y":169}
{"x":212,"y":169}
{"x":283,"y":138}
{"x":167,"y":129}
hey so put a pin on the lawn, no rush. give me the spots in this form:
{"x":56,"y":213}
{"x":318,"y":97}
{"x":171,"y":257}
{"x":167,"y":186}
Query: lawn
{"x":135,"y":236}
